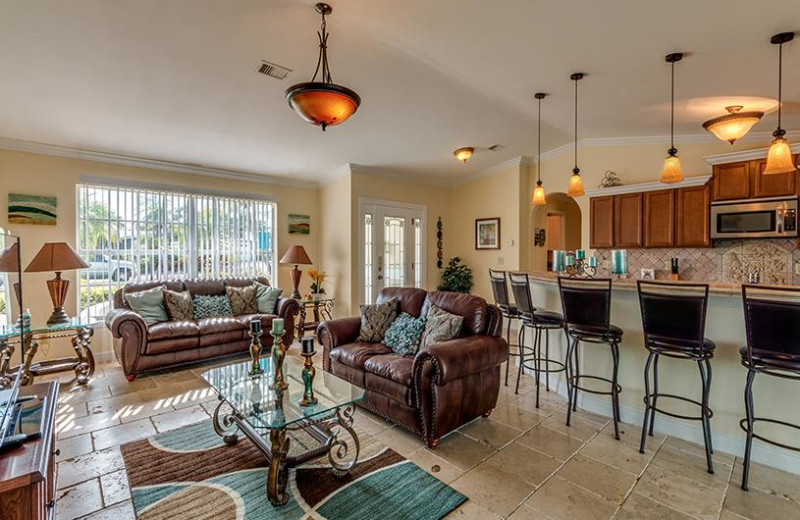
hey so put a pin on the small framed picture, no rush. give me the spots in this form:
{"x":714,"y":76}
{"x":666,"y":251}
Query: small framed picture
{"x":487,"y":233}
{"x":648,"y":274}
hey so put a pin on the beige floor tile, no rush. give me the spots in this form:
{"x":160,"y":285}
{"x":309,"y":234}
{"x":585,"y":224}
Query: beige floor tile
{"x":524,"y":512}
{"x":517,"y":417}
{"x":680,"y":493}
{"x":81,"y":393}
{"x":75,"y":409}
{"x":551,"y":443}
{"x":123,"y":433}
{"x":561,"y":499}
{"x":77,"y":501}
{"x":470,"y":510}
{"x":178,"y":418}
{"x":74,"y":446}
{"x":727,"y":515}
{"x":548,"y":402}
{"x":489,"y":432}
{"x":71,"y":426}
{"x":192,"y":397}
{"x":121,"y":511}
{"x":695,"y":449}
{"x":524,"y":463}
{"x":436,"y":466}
{"x":691,"y":466}
{"x":760,"y":505}
{"x":89,"y":466}
{"x":578,"y":428}
{"x":493,"y":488}
{"x":124,"y":387}
{"x":631,"y":435}
{"x":461,"y":451}
{"x":773,"y":481}
{"x":115,"y":487}
{"x":399,"y":440}
{"x":618,"y":454}
{"x":638,"y":507}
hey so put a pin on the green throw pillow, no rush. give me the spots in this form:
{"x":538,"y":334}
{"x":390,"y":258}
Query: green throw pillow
{"x":267,"y":298}
{"x":440,"y":325}
{"x":212,"y":307}
{"x":404,"y":334}
{"x":376,"y":319}
{"x":149,"y":305}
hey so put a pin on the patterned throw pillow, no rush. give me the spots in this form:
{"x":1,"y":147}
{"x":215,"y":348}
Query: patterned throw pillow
{"x":267,"y":298}
{"x":243,"y":300}
{"x":148,"y":304}
{"x":376,"y":319}
{"x":212,"y":307}
{"x":404,"y":334}
{"x":179,"y":305}
{"x":440,"y":325}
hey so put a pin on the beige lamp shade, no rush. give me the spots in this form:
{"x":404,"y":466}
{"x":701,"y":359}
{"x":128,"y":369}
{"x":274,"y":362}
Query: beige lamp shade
{"x":56,"y":256}
{"x":9,"y":259}
{"x":296,"y":255}
{"x":779,"y":158}
{"x":673,"y":172}
{"x":734,"y":125}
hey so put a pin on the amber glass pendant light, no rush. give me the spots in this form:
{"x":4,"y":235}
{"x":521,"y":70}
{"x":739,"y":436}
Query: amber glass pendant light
{"x":539,"y":197}
{"x":323,"y":103}
{"x":575,"y":188}
{"x":779,"y":157}
{"x":734,"y":125}
{"x":672,"y":171}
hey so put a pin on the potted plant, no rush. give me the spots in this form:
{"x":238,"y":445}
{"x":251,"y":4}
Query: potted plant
{"x":317,"y":277}
{"x":456,"y":277}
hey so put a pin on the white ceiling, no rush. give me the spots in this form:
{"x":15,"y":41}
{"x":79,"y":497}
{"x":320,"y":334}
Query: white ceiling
{"x":175,"y":79}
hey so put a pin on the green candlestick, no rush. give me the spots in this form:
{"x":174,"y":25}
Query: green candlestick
{"x":308,"y":380}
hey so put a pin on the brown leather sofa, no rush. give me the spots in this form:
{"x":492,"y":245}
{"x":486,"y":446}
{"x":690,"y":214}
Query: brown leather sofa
{"x":438,"y":389}
{"x":139,"y":348}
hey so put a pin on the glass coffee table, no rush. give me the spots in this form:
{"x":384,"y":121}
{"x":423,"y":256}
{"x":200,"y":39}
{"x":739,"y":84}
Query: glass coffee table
{"x":254,"y":407}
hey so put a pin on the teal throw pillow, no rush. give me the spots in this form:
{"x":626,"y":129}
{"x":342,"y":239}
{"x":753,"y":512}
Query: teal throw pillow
{"x":149,"y":305}
{"x":267,"y":298}
{"x":212,"y":307}
{"x":404,"y":334}
{"x":440,"y":325}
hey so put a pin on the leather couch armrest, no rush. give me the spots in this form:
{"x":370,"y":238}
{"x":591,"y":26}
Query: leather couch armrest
{"x":118,"y":320}
{"x":333,"y":333}
{"x":462,"y":357}
{"x":130,"y":338}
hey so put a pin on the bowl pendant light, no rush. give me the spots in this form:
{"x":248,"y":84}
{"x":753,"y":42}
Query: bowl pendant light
{"x":539,"y":197}
{"x":575,"y":188}
{"x":323,"y":103}
{"x":464,"y":154}
{"x":734,"y":125}
{"x":779,"y":157}
{"x":672,"y":171}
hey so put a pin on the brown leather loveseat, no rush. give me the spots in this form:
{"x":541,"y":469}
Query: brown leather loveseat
{"x":139,"y":348}
{"x":438,"y":389}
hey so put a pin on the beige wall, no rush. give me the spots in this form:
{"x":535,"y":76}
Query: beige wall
{"x":336,"y":242}
{"x":560,"y":202}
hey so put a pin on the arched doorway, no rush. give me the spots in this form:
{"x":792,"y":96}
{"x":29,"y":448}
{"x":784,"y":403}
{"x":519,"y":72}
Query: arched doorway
{"x":559,"y":224}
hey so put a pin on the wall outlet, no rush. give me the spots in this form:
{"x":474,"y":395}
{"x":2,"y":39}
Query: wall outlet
{"x":510,"y":242}
{"x":501,"y":260}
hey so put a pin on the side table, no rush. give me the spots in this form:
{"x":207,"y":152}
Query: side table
{"x":322,"y":309}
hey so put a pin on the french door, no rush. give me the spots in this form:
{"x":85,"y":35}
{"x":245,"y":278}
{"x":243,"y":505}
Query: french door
{"x":392,"y":243}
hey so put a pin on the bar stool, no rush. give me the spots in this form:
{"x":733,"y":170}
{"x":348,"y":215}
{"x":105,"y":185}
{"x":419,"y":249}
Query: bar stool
{"x":587,"y":312}
{"x":541,"y":322}
{"x":674,"y":322}
{"x":772,"y":321}
{"x":509,"y":312}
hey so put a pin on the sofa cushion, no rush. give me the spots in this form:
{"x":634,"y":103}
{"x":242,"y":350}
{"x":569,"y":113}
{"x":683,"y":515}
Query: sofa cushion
{"x":205,"y":287}
{"x":472,"y":308}
{"x":266,"y":322}
{"x":216,"y":325}
{"x":409,"y":299}
{"x":391,"y":366}
{"x":174,"y":345}
{"x":172,"y":329}
{"x":148,"y":304}
{"x":388,"y":388}
{"x":179,"y":305}
{"x":242,"y":299}
{"x":440,"y":325}
{"x":405,"y":334}
{"x":376,"y":319}
{"x":355,"y":354}
{"x":211,"y":307}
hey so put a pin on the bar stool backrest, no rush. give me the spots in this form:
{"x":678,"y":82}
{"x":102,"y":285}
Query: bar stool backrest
{"x":521,"y":287}
{"x":772,"y":320}
{"x":586,"y":301}
{"x":672,"y":311}
{"x":500,"y":289}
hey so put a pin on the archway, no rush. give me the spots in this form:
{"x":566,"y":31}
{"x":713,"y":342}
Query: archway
{"x":558,"y":223}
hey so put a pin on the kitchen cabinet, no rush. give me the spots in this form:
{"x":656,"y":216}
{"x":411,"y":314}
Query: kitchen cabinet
{"x":746,"y":180}
{"x":601,"y":222}
{"x":779,"y":185}
{"x":732,"y":181}
{"x":692,"y":217}
{"x":628,"y":219}
{"x":659,"y":218}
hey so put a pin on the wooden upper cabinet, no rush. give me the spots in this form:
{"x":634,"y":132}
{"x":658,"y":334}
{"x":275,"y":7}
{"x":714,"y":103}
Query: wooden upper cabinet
{"x":693,"y":214}
{"x":732,"y":181}
{"x":628,"y":220}
{"x":779,"y":185}
{"x":601,"y":222}
{"x":659,"y":218}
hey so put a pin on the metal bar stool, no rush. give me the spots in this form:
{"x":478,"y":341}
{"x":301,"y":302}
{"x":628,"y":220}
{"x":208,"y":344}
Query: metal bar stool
{"x":772,"y":321}
{"x":541,"y":322}
{"x":587,"y":312}
{"x":674,"y":322}
{"x":509,"y":312}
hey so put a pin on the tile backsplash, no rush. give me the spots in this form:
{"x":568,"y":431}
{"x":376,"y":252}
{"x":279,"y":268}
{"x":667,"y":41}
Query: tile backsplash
{"x":728,"y":261}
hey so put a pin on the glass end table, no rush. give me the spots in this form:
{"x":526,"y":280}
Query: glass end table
{"x":255,"y":407}
{"x":321,"y":308}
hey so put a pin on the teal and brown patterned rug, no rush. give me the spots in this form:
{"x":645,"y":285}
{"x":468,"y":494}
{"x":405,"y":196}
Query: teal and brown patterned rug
{"x":189,"y":473}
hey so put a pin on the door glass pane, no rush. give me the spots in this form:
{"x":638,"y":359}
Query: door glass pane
{"x":394,"y":251}
{"x":368,"y":254}
{"x":416,"y":266}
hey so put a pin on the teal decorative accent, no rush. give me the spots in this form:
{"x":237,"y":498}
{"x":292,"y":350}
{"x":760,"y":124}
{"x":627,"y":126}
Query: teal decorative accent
{"x":145,"y":496}
{"x":404,"y":334}
{"x":267,"y":298}
{"x":212,"y":307}
{"x":149,"y":305}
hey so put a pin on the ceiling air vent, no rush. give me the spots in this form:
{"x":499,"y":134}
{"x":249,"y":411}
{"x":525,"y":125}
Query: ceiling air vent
{"x":496,"y":147}
{"x":273,"y":70}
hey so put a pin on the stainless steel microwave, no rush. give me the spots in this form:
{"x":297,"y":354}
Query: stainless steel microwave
{"x":761,"y":218}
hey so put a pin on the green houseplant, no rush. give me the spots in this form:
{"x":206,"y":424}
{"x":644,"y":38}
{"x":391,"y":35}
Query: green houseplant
{"x":456,"y":277}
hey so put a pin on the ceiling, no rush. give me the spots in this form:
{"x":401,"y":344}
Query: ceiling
{"x":176,"y":80}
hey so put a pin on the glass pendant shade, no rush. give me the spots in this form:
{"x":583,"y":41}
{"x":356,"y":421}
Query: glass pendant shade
{"x":734,"y":125}
{"x":672,"y":170}
{"x":539,"y":198}
{"x":464,"y":154}
{"x":779,"y":158}
{"x":575,"y":188}
{"x":323,"y":104}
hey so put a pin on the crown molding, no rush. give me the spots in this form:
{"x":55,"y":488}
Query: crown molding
{"x":648,"y":186}
{"x":389,"y":174}
{"x":520,"y":160}
{"x":17,"y":145}
{"x":746,"y":155}
{"x":334,"y":176}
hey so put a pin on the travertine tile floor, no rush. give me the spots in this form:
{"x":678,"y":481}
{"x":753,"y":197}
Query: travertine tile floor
{"x":522,"y":463}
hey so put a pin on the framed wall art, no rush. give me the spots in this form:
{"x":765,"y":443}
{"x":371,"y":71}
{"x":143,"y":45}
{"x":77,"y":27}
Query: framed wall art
{"x":487,"y":233}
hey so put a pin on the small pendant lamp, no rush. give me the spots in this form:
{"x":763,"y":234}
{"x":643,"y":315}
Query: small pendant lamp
{"x":779,"y":157}
{"x":539,"y":198}
{"x":672,"y":171}
{"x":575,"y":188}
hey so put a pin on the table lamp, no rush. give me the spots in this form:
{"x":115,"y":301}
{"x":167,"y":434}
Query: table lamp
{"x":57,"y":257}
{"x":296,"y":255}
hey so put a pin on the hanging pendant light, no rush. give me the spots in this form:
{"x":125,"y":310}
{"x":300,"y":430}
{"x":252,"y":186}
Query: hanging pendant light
{"x":323,"y":103}
{"x":779,"y":157}
{"x":734,"y":125}
{"x":539,"y":197}
{"x":575,"y":188}
{"x":672,"y":171}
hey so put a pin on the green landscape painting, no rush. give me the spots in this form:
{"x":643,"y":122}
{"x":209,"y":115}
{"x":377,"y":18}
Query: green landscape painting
{"x":31,"y":209}
{"x":299,"y":224}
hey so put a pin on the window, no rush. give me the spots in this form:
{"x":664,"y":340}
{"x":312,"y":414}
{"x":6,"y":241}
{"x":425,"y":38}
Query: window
{"x":128,"y":234}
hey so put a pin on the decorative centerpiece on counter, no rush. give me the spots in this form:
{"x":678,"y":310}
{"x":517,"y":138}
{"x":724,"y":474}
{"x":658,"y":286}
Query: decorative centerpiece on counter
{"x":575,"y":264}
{"x":278,"y":352}
{"x":308,"y":372}
{"x":619,"y":262}
{"x":255,"y":348}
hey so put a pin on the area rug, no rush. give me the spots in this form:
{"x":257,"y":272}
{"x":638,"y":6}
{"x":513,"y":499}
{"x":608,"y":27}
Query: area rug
{"x":189,"y":473}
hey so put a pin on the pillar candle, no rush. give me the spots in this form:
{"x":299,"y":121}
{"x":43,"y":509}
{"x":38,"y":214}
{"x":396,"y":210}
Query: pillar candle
{"x":619,"y":261}
{"x":277,"y":326}
{"x":308,"y":345}
{"x":558,"y":261}
{"x":580,"y":254}
{"x":592,"y":261}
{"x":255,"y":326}
{"x":569,"y":261}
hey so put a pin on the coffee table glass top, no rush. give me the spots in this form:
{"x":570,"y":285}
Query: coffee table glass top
{"x":43,"y":328}
{"x":255,"y":398}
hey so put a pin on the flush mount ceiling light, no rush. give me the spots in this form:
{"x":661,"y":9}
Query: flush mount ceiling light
{"x":734,"y":125}
{"x":463,"y":154}
{"x":672,"y":171}
{"x":575,"y":188}
{"x":323,"y":103}
{"x":539,"y":198}
{"x":779,"y":157}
